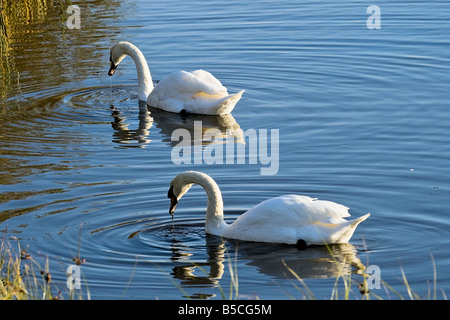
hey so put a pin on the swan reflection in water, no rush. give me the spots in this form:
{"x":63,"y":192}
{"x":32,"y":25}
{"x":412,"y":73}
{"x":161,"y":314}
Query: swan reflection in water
{"x":167,"y":123}
{"x":269,"y":259}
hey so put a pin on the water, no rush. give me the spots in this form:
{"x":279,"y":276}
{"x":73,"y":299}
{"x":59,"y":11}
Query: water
{"x":362,"y":115}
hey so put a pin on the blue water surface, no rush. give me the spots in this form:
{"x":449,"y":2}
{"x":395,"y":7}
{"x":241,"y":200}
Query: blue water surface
{"x":363,"y":119}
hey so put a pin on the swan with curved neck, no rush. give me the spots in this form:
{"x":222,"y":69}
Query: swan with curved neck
{"x":290,"y":219}
{"x":181,"y":91}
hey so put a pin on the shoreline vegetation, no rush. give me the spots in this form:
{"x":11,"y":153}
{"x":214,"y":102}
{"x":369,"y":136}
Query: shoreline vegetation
{"x":23,"y":278}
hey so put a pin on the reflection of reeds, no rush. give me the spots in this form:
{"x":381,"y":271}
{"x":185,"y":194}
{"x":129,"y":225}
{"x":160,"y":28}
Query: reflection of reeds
{"x":18,"y":14}
{"x":27,"y":11}
{"x":14,"y":17}
{"x":20,"y":25}
{"x":38,"y":51}
{"x":3,"y":24}
{"x":4,"y":79}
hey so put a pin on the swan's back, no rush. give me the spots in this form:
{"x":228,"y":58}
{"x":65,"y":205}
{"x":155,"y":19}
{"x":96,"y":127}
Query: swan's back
{"x":196,"y":92}
{"x":212,"y":82}
{"x":295,"y":211}
{"x":289,"y":218}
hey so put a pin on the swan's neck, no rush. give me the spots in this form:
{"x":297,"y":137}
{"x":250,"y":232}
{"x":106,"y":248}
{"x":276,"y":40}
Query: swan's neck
{"x":214,"y":210}
{"x":145,"y":82}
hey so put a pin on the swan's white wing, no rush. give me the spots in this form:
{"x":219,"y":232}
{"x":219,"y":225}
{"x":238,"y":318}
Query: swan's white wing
{"x":324,"y":211}
{"x":212,"y":81}
{"x":293,"y":211}
{"x":181,"y":88}
{"x":188,"y":84}
{"x":195,"y":92}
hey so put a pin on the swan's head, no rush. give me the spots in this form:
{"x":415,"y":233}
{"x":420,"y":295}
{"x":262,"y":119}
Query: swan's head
{"x":184,"y":181}
{"x":116,"y":55}
{"x":178,"y":187}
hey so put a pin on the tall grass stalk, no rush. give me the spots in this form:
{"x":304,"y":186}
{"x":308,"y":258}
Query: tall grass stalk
{"x":18,"y":279}
{"x":350,"y":284}
{"x":234,"y":281}
{"x":23,"y":278}
{"x":309,"y":293}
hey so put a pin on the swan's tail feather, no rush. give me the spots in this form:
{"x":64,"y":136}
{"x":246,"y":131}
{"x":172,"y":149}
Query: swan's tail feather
{"x":228,"y":103}
{"x":357,"y":221}
{"x":349,"y":228}
{"x":329,"y":233}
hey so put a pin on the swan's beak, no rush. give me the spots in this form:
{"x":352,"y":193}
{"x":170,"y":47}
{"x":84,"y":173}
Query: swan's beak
{"x":112,"y":69}
{"x":173,"y":200}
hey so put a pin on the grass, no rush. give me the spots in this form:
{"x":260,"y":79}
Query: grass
{"x":346,"y":286}
{"x":18,"y":279}
{"x":354,"y":285}
{"x":23,"y":278}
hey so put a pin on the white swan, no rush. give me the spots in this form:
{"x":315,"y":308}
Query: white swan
{"x":192,"y":92}
{"x":289,"y":219}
